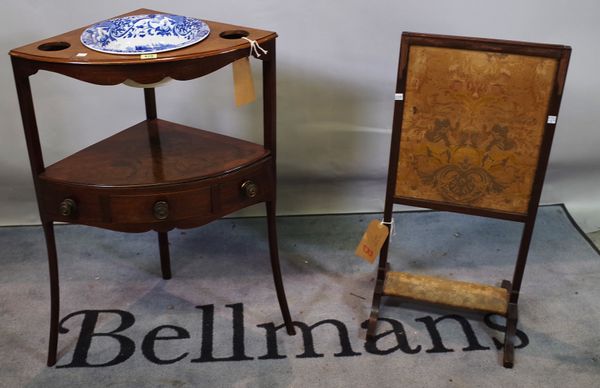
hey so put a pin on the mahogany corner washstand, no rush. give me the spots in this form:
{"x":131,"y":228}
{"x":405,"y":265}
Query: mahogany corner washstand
{"x":473,"y":126}
{"x":156,"y":175}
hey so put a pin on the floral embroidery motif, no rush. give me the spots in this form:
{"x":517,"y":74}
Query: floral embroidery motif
{"x":461,"y":173}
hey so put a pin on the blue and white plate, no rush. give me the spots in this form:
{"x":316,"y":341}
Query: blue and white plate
{"x":144,"y":34}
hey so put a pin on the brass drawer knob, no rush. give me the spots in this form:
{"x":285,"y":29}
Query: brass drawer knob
{"x":67,"y":208}
{"x":161,"y":210}
{"x":250,"y":189}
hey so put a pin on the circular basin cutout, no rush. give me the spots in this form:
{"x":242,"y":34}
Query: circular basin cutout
{"x":234,"y":34}
{"x":54,"y":46}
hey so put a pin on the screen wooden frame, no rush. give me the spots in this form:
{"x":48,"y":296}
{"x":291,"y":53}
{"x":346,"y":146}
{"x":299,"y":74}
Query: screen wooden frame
{"x":558,"y":52}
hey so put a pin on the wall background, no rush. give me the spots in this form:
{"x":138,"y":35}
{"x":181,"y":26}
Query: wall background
{"x":336,"y":76}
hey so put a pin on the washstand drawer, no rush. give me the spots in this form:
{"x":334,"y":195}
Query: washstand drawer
{"x":243,"y":188}
{"x":74,"y":204}
{"x":192,"y":203}
{"x":138,"y":209}
{"x":104,"y":206}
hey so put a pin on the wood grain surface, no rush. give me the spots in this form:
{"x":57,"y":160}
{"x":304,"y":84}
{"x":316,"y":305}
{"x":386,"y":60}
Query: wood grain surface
{"x":211,"y":46}
{"x":155,"y":152}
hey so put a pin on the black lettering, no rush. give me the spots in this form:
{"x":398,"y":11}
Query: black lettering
{"x":152,"y":337}
{"x":307,"y":338}
{"x":487,"y":319}
{"x":398,"y":331}
{"x":208,"y":320}
{"x":272,"y":349}
{"x":90,"y":318}
{"x":436,"y":339}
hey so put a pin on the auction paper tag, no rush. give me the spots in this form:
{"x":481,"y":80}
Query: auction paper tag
{"x":372,"y":241}
{"x":242,"y":82}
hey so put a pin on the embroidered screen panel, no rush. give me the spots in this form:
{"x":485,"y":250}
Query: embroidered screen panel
{"x":472,"y":127}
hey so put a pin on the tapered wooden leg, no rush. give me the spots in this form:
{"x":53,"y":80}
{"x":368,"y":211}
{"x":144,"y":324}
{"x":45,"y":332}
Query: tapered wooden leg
{"x":509,"y":337}
{"x":274,"y":253}
{"x":512,"y":317}
{"x":382,"y":268}
{"x":377,"y":294}
{"x":165,"y":258}
{"x":54,"y":291}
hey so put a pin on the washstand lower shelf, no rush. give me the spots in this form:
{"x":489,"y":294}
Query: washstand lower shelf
{"x":157,"y":175}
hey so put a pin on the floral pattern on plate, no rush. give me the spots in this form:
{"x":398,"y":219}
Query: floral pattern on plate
{"x":144,"y":34}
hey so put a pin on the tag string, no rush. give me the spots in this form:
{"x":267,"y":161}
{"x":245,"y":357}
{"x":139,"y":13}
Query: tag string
{"x":391,"y":225}
{"x":254,"y":47}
